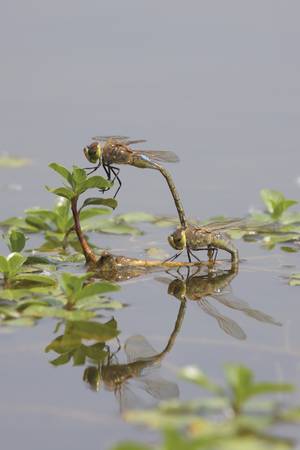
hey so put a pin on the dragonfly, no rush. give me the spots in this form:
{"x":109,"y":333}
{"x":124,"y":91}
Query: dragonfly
{"x":205,"y":289}
{"x":112,"y":151}
{"x":210,"y":237}
{"x":141,"y":369}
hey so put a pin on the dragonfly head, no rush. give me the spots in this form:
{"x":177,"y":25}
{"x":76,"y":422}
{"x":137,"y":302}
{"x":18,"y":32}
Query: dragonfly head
{"x":177,"y":288}
{"x":93,"y":152}
{"x":92,"y":377}
{"x":177,"y":239}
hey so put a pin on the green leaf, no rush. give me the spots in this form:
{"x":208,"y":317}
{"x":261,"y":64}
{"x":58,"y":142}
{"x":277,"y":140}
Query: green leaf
{"x":17,"y":240}
{"x":62,"y":171}
{"x":61,"y":360}
{"x":96,"y":352}
{"x":43,"y":280}
{"x":109,"y":226}
{"x":95,"y":330}
{"x":275,"y":202}
{"x":15,"y":262}
{"x":58,"y":313}
{"x":13,"y":162}
{"x":62,"y":192}
{"x":130,"y":445}
{"x":63,"y":344}
{"x":269,"y":388}
{"x":134,"y":217}
{"x":79,"y":176}
{"x":294,"y":279}
{"x":195,"y":375}
{"x":96,"y":289}
{"x":110,"y":202}
{"x":4,"y":267}
{"x":79,"y":356}
{"x":93,"y":182}
{"x":93,"y":212}
{"x":71,"y":284}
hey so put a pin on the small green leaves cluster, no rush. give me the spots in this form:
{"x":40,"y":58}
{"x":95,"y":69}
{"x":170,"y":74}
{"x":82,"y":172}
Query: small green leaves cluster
{"x":72,"y":346}
{"x":231,"y":419}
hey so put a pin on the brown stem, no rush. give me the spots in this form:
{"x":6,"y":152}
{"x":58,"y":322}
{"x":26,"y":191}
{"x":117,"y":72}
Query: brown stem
{"x":87,"y":251}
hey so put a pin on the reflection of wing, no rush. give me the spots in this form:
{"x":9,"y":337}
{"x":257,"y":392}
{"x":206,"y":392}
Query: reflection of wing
{"x":158,"y":387}
{"x":158,"y":155}
{"x":261,"y":316}
{"x":225,"y":323}
{"x":227,"y":298}
{"x":138,"y":348}
{"x":235,"y":303}
{"x":128,"y":399}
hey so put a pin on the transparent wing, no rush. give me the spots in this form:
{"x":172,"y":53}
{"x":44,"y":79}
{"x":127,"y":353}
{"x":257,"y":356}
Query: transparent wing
{"x":158,"y":387}
{"x":128,"y":399}
{"x":236,"y":303}
{"x":227,"y":298}
{"x":158,"y":155}
{"x":113,"y":136}
{"x":224,"y":225}
{"x":228,"y":325}
{"x":137,"y":348}
{"x":261,"y":316}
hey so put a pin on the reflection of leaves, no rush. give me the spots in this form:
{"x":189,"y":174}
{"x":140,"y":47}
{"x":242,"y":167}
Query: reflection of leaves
{"x":70,"y":346}
{"x":294,"y":279}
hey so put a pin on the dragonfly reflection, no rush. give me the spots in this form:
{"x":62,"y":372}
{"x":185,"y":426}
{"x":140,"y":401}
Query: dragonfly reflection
{"x":215,"y":286}
{"x":111,"y":151}
{"x":141,"y":368}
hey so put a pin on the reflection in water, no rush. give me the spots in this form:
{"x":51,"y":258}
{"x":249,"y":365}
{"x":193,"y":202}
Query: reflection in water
{"x":141,"y":367}
{"x":215,"y":285}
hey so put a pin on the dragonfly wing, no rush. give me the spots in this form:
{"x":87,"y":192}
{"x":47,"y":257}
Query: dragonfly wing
{"x":159,"y":156}
{"x":128,"y":399}
{"x":224,"y":225}
{"x":135,"y":141}
{"x":158,"y":387}
{"x":228,"y":325}
{"x":137,"y":348}
{"x":261,"y":316}
{"x":106,"y":138}
{"x":227,"y":298}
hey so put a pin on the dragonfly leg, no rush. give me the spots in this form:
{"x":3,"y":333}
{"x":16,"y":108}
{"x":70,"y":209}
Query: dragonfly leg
{"x":108,"y":174}
{"x":172,"y":257}
{"x":193,"y":254}
{"x":93,"y":169}
{"x":115,"y":171}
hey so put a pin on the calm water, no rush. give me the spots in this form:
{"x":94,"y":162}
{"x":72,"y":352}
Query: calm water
{"x":216,"y":82}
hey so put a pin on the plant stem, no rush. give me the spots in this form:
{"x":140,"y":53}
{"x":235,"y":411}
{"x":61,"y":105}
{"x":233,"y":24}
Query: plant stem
{"x":87,"y":251}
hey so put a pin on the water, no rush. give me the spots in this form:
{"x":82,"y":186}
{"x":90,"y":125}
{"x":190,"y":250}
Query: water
{"x":217,"y":83}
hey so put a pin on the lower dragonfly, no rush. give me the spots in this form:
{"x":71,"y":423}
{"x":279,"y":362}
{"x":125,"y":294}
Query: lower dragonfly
{"x":111,"y":151}
{"x":210,"y":237}
{"x":142,"y":364}
{"x":207,"y":288}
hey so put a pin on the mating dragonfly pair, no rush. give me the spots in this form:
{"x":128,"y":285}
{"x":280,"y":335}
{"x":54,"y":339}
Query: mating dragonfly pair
{"x":111,"y":151}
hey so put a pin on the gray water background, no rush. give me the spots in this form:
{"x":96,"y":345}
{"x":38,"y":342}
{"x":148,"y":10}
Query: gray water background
{"x":218,"y":83}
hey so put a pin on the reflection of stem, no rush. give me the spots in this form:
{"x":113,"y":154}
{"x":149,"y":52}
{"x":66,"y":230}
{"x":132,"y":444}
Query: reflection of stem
{"x":177,"y":327}
{"x":88,"y":252}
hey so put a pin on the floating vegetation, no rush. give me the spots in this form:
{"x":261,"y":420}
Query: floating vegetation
{"x":13,"y":162}
{"x":232,"y":418}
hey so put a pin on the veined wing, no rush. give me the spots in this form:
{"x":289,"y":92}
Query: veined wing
{"x":158,"y":155}
{"x":138,"y":348}
{"x":229,"y":300}
{"x":125,"y":140}
{"x":114,"y":137}
{"x":158,"y":387}
{"x":228,"y":325}
{"x":128,"y":399}
{"x":229,"y":224}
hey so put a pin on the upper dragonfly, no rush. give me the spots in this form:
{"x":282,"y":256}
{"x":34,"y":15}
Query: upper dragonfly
{"x":109,"y":151}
